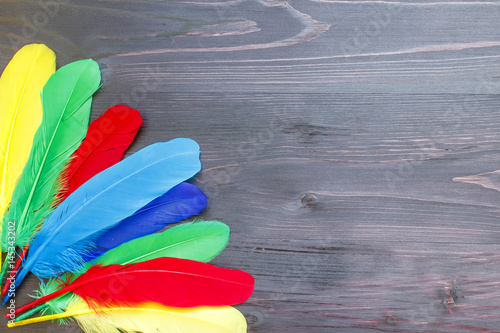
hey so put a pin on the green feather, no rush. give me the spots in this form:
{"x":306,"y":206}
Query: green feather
{"x":66,"y":98}
{"x":198,"y":240}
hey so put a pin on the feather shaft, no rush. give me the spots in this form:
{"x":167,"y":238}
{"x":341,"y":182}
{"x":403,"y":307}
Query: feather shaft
{"x":46,"y":318}
{"x":30,"y":312}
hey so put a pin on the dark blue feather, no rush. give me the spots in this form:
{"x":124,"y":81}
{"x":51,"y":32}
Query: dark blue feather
{"x":180,"y":203}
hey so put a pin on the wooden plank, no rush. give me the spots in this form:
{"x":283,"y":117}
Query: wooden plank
{"x":352,"y":146}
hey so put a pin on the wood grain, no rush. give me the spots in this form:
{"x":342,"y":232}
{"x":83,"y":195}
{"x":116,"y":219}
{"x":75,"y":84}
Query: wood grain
{"x":352,"y":146}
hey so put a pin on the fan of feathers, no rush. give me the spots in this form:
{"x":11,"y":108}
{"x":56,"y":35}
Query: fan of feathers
{"x":89,"y":223}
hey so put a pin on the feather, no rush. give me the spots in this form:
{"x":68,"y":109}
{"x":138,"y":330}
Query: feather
{"x":170,"y":281}
{"x":104,"y":145}
{"x":106,"y":199}
{"x":21,"y":112}
{"x":180,"y":203}
{"x":66,"y":103}
{"x":199,"y":240}
{"x":149,"y":318}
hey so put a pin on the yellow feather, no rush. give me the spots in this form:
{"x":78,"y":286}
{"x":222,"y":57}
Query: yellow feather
{"x":21,"y":112}
{"x":150,"y":318}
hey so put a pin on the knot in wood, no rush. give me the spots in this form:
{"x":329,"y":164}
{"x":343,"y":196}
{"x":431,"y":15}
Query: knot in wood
{"x":309,"y":200}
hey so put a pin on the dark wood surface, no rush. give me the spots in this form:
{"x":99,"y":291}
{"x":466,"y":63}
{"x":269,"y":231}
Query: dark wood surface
{"x":351,"y":146}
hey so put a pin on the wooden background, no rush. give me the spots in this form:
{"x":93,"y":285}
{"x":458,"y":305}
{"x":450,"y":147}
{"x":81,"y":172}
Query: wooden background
{"x":352,"y":146}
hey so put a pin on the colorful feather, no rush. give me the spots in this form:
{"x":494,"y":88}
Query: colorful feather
{"x":149,"y":318}
{"x":170,"y":281}
{"x":105,"y":200}
{"x":104,"y":145}
{"x":21,"y":112}
{"x":180,"y":203}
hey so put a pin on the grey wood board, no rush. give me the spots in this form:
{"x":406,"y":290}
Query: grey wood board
{"x":351,"y":146}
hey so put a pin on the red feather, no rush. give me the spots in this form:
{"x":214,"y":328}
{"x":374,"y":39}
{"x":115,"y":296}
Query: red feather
{"x":107,"y":139}
{"x":168,"y":281}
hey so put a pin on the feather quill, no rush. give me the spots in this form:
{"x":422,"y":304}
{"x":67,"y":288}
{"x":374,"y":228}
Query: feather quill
{"x":105,"y":200}
{"x":149,"y":318}
{"x":180,"y":203}
{"x":21,"y":112}
{"x":104,"y":145}
{"x":170,"y":281}
{"x":66,"y":102}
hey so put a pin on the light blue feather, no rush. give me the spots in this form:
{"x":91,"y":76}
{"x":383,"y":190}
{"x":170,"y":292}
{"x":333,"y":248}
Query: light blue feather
{"x":105,"y":200}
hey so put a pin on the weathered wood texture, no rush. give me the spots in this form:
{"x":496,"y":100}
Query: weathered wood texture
{"x":350,"y":145}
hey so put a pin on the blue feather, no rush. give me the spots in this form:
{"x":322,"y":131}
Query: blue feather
{"x":105,"y":200}
{"x":181,"y":202}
